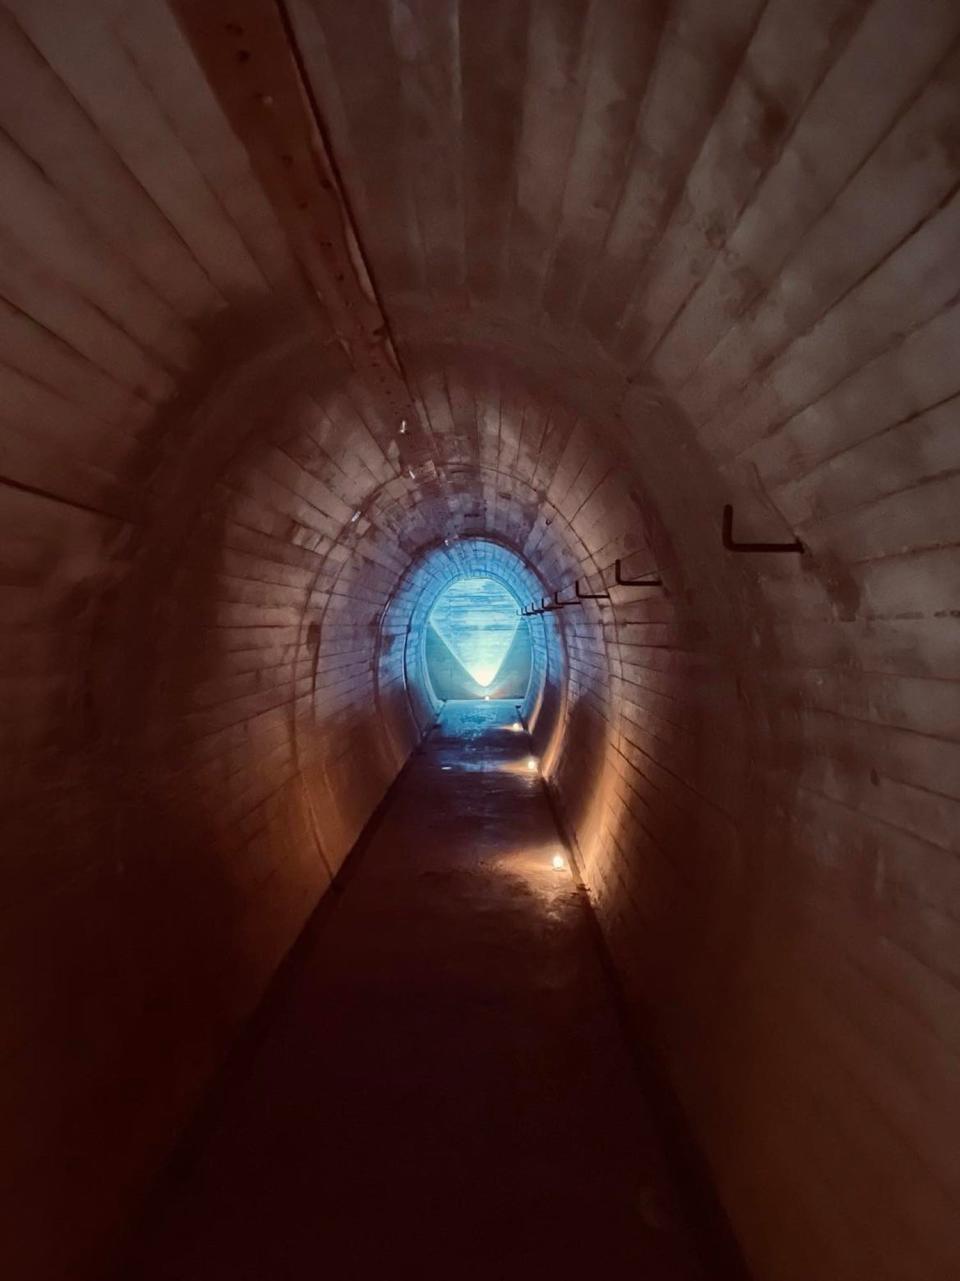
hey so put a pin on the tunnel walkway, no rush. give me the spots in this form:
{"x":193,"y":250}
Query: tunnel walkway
{"x":440,"y":1085}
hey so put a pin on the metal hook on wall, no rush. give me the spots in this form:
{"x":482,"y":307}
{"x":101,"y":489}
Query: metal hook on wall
{"x":563,"y":604}
{"x":590,"y":595}
{"x":634,"y":582}
{"x":731,"y":544}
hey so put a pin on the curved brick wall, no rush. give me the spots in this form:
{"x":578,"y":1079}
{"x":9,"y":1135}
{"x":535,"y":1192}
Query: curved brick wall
{"x":576,"y":276}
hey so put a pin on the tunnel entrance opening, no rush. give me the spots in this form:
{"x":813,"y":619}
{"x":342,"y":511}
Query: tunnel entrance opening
{"x":453,"y":630}
{"x":476,"y":645}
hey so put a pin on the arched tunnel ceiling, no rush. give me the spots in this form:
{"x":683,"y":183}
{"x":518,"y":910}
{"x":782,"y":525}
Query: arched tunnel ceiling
{"x":567,"y":275}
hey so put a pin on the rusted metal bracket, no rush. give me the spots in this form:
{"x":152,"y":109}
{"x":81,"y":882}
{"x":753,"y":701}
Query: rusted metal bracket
{"x":731,"y":544}
{"x":590,"y":595}
{"x":545,"y":607}
{"x":634,"y":582}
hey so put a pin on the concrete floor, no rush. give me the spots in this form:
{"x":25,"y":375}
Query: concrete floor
{"x":441,"y":1086}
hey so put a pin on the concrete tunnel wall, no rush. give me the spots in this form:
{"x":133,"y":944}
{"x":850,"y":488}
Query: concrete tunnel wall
{"x":637,"y":261}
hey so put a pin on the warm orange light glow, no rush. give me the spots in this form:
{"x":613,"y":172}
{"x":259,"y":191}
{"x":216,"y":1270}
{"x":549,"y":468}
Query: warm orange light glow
{"x":531,"y":762}
{"x":559,"y":862}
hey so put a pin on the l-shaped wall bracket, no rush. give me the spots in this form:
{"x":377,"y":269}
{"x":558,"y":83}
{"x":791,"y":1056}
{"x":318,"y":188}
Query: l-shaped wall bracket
{"x":545,"y":607}
{"x":732,"y":545}
{"x":634,"y":582}
{"x":590,"y":595}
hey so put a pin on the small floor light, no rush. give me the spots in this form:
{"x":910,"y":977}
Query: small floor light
{"x":559,"y":862}
{"x":531,"y":762}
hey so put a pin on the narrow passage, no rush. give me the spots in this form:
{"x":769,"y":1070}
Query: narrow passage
{"x":442,"y":1087}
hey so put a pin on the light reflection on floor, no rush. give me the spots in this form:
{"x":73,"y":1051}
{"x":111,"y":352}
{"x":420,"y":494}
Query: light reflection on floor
{"x":446,"y":1052}
{"x":486,"y":738}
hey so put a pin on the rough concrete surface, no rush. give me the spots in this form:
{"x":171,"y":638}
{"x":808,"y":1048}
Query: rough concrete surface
{"x":308,"y":308}
{"x":441,"y":1087}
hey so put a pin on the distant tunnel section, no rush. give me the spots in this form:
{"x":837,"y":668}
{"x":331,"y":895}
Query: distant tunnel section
{"x":476,"y":642}
{"x":455,"y":629}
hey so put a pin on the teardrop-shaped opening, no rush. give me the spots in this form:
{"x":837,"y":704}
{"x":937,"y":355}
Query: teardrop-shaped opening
{"x":476,"y":643}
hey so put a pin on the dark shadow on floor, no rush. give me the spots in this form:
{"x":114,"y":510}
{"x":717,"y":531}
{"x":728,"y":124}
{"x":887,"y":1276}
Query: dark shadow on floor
{"x":441,"y":1086}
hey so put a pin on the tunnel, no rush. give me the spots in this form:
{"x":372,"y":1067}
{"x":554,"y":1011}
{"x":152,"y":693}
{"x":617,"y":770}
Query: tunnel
{"x":634,"y":950}
{"x":459,"y":629}
{"x":476,"y":643}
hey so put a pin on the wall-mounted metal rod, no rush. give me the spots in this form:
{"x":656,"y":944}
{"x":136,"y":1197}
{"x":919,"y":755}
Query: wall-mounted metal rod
{"x":634,"y":582}
{"x":590,"y":595}
{"x":564,"y":604}
{"x":548,"y":609}
{"x":24,"y":488}
{"x":731,"y":544}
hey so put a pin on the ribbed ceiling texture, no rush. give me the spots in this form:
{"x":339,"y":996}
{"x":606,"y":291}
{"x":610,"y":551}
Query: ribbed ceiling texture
{"x":307,"y":309}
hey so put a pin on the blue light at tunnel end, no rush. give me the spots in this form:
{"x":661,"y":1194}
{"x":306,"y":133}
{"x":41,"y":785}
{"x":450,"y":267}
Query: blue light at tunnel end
{"x":477,"y":619}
